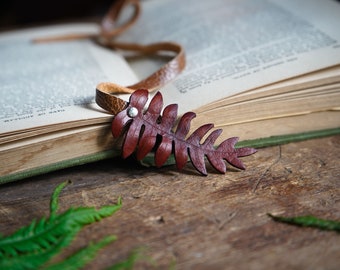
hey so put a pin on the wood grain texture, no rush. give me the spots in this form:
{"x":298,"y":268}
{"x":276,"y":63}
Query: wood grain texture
{"x":196,"y":222}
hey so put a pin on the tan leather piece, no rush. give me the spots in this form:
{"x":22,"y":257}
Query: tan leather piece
{"x":167,"y":72}
{"x":105,"y":91}
{"x":107,"y":101}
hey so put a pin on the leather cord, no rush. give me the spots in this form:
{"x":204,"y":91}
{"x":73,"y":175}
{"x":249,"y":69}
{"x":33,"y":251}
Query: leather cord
{"x":108,"y":28}
{"x":108,"y":24}
{"x":105,"y":92}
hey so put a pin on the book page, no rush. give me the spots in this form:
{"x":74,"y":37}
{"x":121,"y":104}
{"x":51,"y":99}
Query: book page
{"x":50,"y":83}
{"x":237,"y":45}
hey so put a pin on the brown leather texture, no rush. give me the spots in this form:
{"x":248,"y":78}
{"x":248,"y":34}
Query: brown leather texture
{"x":105,"y":91}
{"x":107,"y":101}
{"x":108,"y":25}
{"x":155,"y":81}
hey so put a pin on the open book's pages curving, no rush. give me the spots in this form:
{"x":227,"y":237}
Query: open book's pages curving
{"x":256,"y":69}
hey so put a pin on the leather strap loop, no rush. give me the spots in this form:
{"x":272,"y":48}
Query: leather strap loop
{"x":167,"y":72}
{"x":106,"y":99}
{"x":105,"y":91}
{"x":108,"y":25}
{"x":108,"y":29}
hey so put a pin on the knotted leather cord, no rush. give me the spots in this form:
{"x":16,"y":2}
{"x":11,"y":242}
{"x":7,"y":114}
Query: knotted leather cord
{"x":105,"y":97}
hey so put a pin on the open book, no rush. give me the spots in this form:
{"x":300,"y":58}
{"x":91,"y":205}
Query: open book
{"x":256,"y":69}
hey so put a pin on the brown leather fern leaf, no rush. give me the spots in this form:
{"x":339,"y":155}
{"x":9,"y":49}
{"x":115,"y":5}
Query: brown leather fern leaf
{"x":148,"y":130}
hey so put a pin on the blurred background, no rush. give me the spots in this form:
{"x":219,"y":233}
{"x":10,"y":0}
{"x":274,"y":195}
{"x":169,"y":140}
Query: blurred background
{"x":18,"y":13}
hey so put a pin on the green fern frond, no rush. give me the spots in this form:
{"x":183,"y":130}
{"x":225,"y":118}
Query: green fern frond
{"x":39,"y":236}
{"x":34,"y":260}
{"x":33,"y":245}
{"x":309,"y":221}
{"x":54,"y":204}
{"x":83,"y":256}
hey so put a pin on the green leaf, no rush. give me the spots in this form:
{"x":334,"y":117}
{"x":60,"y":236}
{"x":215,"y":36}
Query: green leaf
{"x":40,"y":235}
{"x":54,"y":205}
{"x":309,"y":221}
{"x":32,"y":260}
{"x":83,"y":256}
{"x":33,"y":245}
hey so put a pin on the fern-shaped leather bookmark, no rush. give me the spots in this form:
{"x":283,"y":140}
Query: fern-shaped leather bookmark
{"x":145,"y":130}
{"x":149,"y":130}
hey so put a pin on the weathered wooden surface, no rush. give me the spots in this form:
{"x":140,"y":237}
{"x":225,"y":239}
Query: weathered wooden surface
{"x":195,"y":222}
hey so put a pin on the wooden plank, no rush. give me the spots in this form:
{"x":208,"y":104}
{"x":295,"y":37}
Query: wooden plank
{"x":196,"y":222}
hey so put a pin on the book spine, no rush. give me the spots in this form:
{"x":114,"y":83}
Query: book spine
{"x":59,"y":165}
{"x":148,"y":161}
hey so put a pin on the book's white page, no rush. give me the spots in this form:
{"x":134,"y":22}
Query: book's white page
{"x":237,"y":45}
{"x":48,"y":83}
